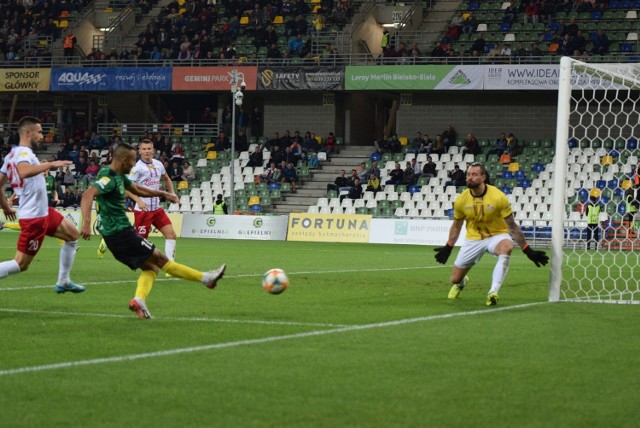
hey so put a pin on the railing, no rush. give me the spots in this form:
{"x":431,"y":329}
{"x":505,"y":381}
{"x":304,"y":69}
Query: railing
{"x":363,"y":13}
{"x":406,"y":20}
{"x":338,"y":60}
{"x":167,"y":129}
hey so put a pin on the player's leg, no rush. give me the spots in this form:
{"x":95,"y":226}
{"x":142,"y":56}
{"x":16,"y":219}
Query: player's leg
{"x":32,"y":235}
{"x":62,"y":228}
{"x":470,"y":253}
{"x":162,"y":222}
{"x":589,"y":236}
{"x":210,"y":279}
{"x":501,"y":246}
{"x":102,"y":249}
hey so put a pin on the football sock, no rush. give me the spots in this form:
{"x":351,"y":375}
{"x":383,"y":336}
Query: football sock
{"x":145,"y":282}
{"x":170,"y":248}
{"x":9,"y":268}
{"x":67,"y":256}
{"x":462,"y":283}
{"x":181,"y":271}
{"x":499,"y":273}
{"x":12,"y":226}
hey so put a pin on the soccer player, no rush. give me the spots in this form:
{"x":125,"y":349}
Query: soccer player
{"x":490,"y":226}
{"x":126,"y":245}
{"x":24,"y":173}
{"x":147,"y":173}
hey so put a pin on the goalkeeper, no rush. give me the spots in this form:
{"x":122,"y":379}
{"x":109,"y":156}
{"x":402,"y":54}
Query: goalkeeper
{"x":490,"y":228}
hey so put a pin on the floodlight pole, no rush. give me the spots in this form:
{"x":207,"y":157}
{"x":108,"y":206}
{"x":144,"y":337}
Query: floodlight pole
{"x":236,"y":96}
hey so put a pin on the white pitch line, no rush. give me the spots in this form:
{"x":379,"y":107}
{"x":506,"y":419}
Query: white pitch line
{"x":196,"y":319}
{"x":202,"y":348}
{"x":247,"y":275}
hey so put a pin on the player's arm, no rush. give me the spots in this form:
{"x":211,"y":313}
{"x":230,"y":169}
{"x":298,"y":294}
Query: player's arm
{"x":540,"y":258}
{"x":143,"y":191}
{"x":9,"y":213}
{"x":137,"y":200}
{"x":168,"y":184}
{"x":85,"y":208}
{"x":26,"y":170}
{"x":443,"y":253}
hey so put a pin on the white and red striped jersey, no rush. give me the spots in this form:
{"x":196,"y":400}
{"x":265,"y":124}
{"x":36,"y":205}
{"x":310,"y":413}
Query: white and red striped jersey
{"x":31,"y":191}
{"x":148,"y":175}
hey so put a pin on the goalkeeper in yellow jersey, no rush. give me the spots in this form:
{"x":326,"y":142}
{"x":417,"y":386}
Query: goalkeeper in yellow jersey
{"x":490,"y":228}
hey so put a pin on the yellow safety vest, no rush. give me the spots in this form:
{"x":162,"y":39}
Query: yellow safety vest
{"x":218,"y":209}
{"x":593,"y":214}
{"x":627,"y":202}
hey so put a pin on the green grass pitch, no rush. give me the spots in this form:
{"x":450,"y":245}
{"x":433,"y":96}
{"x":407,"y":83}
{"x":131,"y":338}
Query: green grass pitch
{"x":364,"y":337}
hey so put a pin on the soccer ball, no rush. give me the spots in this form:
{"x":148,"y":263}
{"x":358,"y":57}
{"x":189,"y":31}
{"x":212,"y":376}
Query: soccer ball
{"x":275,"y":281}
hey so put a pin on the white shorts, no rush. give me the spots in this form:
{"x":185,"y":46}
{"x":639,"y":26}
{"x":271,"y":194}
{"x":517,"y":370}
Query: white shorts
{"x":472,"y":250}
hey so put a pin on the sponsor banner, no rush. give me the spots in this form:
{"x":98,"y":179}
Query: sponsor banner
{"x":415,"y":232}
{"x":328,"y":227}
{"x":542,"y":77}
{"x":211,"y":78}
{"x":111,"y":79}
{"x":268,"y":228}
{"x":24,"y":79}
{"x":414,"y":77}
{"x":307,"y":78}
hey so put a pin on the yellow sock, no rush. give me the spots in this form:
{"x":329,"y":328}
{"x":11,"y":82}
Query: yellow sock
{"x":12,"y":226}
{"x":145,"y":282}
{"x":181,"y":271}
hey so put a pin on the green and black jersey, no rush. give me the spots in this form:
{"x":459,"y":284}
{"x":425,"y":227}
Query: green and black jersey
{"x":110,"y":203}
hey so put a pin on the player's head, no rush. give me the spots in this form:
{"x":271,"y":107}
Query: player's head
{"x":477,"y":175}
{"x":124,"y":158}
{"x":30,"y":130}
{"x":146,"y":150}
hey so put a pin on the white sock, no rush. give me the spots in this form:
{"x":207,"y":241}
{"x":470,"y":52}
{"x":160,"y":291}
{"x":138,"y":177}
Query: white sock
{"x":499,"y":273}
{"x":170,"y":248}
{"x":9,"y":268}
{"x":462,"y":283}
{"x":67,"y":256}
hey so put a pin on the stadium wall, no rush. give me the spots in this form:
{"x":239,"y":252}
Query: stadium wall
{"x":302,"y":111}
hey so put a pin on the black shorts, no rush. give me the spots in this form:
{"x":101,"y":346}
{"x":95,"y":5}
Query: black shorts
{"x":129,"y":248}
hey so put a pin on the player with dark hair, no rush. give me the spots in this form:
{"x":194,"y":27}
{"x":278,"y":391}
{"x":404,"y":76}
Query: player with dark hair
{"x":126,"y":245}
{"x":490,"y":228}
{"x":24,"y":172}
{"x":149,"y":172}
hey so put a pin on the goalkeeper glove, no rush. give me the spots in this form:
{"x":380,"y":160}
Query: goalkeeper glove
{"x":538,"y":257}
{"x":443,"y":253}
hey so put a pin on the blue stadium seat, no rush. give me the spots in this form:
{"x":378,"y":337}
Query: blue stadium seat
{"x":613,"y":184}
{"x":274,"y":186}
{"x":632,"y":143}
{"x":506,"y":190}
{"x":375,"y":156}
{"x":414,"y":189}
{"x":601,"y":184}
{"x":573,"y":142}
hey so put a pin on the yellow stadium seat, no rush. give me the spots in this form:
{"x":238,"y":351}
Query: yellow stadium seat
{"x":403,"y":141}
{"x":279,"y":19}
{"x":316,"y":1}
{"x":626,"y":184}
{"x":212,"y":155}
{"x":514,"y":167}
{"x":63,"y":24}
{"x":105,"y":10}
{"x":244,"y":20}
{"x":181,"y":2}
{"x":183,"y":185}
{"x":254,"y":200}
{"x":606,"y":160}
{"x":319,"y":139}
{"x":177,"y":131}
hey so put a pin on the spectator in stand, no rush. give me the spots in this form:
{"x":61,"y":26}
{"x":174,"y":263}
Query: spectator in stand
{"x":471,"y":146}
{"x":373,"y":185}
{"x":600,"y":43}
{"x":271,"y":175}
{"x":68,"y":179}
{"x":373,"y":170}
{"x":296,"y":152}
{"x":478,"y":45}
{"x":417,"y":143}
{"x":255,"y":118}
{"x":535,"y":52}
{"x":513,"y":148}
{"x":520,"y":51}
{"x":340,"y":181}
{"x":329,"y":145}
{"x":449,"y":137}
{"x":275,"y":141}
{"x":408,"y":176}
{"x":277,"y":155}
{"x":274,"y":51}
{"x":531,"y":12}
{"x":92,"y":170}
{"x":290,"y":175}
{"x":457,"y":177}
{"x":355,"y":192}
{"x":296,"y":45}
{"x":429,"y":168}
{"x":219,"y":206}
{"x":175,"y":171}
{"x":242,"y":144}
{"x":362,"y":172}
{"x":438,"y":145}
{"x":188,"y":174}
{"x":69,"y":199}
{"x":506,"y":50}
{"x":439,"y":51}
{"x":207,"y":116}
{"x":177,"y":153}
{"x":470,"y":24}
{"x":396,"y":175}
{"x":256,"y":159}
{"x":168,"y":118}
{"x":500,"y":146}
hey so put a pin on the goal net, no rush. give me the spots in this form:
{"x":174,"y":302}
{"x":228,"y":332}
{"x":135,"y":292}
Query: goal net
{"x":595,"y":250}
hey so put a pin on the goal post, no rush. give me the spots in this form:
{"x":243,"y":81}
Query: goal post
{"x":596,"y":158}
